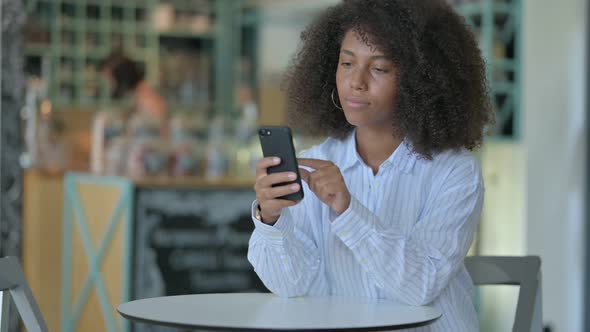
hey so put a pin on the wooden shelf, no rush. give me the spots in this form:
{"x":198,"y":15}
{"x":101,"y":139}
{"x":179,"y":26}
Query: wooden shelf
{"x":194,"y":182}
{"x":181,"y":33}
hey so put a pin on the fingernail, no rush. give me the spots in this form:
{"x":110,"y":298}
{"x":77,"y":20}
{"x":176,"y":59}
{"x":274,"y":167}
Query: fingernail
{"x":294,"y":186}
{"x":292,"y":176}
{"x":276,"y":160}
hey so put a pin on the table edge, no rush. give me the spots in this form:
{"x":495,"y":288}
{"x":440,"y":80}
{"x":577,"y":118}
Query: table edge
{"x":222,"y":328}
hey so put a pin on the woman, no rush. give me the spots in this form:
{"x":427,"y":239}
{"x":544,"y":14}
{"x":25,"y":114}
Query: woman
{"x":126,"y":79}
{"x":393,"y":196}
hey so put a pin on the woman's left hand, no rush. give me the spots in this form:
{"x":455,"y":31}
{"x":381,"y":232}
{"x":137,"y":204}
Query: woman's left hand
{"x":326,"y":182}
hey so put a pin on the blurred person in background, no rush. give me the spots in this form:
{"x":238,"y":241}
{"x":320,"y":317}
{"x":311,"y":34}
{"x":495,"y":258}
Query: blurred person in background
{"x":393,"y":196}
{"x":126,"y":79}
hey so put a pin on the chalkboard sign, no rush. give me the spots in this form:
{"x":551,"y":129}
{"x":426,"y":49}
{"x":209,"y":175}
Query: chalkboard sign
{"x":192,"y":241}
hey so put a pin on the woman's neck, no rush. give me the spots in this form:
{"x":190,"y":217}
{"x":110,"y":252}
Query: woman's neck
{"x":375,"y":147}
{"x":142,"y":87}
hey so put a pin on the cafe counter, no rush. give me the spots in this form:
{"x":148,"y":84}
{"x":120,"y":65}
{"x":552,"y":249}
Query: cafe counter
{"x":122,"y":240}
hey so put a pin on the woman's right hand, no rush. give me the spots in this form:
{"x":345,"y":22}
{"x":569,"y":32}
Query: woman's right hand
{"x":267,"y":195}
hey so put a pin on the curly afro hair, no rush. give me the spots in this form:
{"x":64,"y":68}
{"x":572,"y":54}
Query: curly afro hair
{"x":442,"y":102}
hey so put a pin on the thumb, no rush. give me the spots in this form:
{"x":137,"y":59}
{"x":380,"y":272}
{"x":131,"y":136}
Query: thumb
{"x":304,"y":174}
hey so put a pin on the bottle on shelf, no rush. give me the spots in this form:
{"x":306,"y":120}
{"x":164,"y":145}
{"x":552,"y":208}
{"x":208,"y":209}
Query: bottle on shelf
{"x":106,"y":127}
{"x":187,"y":144}
{"x":53,"y":148}
{"x":217,"y":146}
{"x":35,"y":103}
{"x":148,"y":153}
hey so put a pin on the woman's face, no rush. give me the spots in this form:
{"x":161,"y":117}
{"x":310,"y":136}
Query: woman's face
{"x":367,"y":84}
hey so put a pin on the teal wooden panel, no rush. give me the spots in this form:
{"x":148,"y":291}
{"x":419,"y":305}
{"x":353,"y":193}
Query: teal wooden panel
{"x":506,"y":93}
{"x":123,"y":213}
{"x":78,"y":42}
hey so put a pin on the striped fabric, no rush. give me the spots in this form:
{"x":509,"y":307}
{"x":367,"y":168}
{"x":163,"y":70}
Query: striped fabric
{"x":403,"y":237}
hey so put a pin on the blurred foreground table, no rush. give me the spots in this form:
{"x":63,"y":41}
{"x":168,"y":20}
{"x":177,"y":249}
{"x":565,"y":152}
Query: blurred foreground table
{"x":268,"y":312}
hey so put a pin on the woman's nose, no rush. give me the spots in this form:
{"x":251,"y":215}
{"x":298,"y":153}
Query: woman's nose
{"x":357,"y":81}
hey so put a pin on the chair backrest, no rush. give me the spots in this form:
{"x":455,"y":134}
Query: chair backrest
{"x":522,"y":271}
{"x":12,"y":281}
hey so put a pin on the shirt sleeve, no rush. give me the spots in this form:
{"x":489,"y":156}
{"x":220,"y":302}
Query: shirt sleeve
{"x":414,"y":268}
{"x":286,"y":256}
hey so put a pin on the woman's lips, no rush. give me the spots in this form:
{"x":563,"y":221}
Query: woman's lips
{"x":355,"y":102}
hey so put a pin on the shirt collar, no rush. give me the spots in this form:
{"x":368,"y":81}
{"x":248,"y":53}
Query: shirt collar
{"x":402,"y":159}
{"x":350,"y":156}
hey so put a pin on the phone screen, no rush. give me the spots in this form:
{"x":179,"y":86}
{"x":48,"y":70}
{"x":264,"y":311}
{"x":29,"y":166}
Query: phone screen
{"x":277,"y":141}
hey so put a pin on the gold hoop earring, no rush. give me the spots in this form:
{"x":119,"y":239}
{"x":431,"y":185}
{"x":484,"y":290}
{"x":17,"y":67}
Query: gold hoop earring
{"x":334,"y":102}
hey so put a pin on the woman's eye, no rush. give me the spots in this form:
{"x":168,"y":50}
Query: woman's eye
{"x":345,"y":64}
{"x":380,"y":70}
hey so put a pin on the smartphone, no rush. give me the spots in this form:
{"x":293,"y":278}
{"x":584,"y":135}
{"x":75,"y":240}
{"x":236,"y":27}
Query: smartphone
{"x":277,"y":141}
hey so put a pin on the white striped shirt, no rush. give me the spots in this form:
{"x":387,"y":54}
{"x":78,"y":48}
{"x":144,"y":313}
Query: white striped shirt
{"x":403,"y":237}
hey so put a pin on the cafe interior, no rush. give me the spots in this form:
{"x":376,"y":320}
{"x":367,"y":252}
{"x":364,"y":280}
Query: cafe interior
{"x":102,"y":206}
